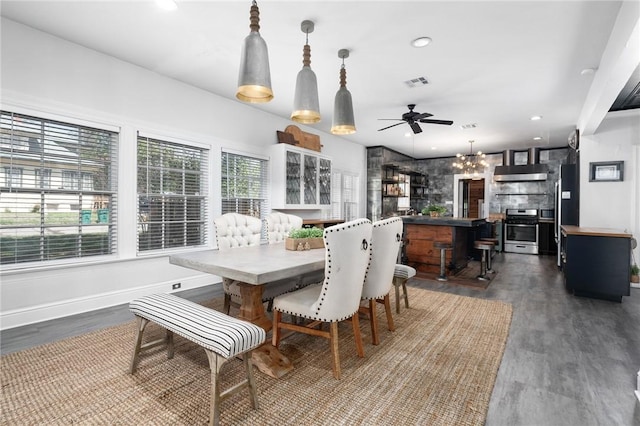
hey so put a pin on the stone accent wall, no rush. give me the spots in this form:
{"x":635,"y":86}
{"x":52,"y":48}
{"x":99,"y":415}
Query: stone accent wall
{"x":440,"y":173}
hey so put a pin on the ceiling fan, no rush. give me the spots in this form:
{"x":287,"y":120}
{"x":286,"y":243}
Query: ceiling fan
{"x":413,"y":118}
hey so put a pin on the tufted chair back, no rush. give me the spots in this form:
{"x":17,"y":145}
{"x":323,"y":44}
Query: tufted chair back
{"x":348,"y":253}
{"x":237,"y":230}
{"x":386,"y":238}
{"x":279,"y":224}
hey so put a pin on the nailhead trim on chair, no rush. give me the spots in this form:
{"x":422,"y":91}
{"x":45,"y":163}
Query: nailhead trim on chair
{"x":328,"y":276}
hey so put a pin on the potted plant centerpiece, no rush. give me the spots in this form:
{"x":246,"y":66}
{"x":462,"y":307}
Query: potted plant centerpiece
{"x":434,"y":210}
{"x":635,"y":273}
{"x":305,"y":239}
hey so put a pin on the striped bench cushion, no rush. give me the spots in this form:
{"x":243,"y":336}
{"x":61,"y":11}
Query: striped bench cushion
{"x":404,"y":271}
{"x":213,"y":330}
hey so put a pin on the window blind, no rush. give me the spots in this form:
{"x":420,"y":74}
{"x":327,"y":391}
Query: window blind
{"x":244,"y":185}
{"x":58,"y":190}
{"x":171,"y":187}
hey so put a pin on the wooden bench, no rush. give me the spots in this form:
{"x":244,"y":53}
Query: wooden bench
{"x":221,"y":336}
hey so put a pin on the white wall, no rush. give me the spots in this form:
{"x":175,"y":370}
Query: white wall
{"x":49,"y":77}
{"x":611,"y":204}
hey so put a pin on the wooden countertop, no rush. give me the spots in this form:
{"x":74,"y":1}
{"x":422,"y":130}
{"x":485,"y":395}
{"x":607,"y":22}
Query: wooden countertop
{"x":594,"y":232}
{"x":465,"y":222}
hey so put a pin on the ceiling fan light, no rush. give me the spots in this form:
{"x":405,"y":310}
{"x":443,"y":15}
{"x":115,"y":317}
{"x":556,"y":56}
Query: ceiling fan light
{"x":254,"y":78}
{"x":343,"y":119}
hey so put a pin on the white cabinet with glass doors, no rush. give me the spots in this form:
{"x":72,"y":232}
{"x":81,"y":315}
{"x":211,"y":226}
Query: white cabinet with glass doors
{"x":300,"y":178}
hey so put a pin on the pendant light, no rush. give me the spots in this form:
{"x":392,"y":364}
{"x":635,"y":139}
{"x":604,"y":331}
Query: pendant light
{"x":343,"y":121}
{"x":254,"y":80}
{"x":472,"y":164}
{"x":306,"y":109}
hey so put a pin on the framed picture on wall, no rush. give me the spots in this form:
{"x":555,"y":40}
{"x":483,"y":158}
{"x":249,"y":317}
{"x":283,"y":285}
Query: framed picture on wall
{"x":606,"y":171}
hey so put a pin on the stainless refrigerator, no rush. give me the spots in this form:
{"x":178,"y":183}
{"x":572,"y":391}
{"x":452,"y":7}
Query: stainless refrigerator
{"x":567,"y":201}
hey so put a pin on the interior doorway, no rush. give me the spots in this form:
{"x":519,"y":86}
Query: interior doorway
{"x":471,"y":198}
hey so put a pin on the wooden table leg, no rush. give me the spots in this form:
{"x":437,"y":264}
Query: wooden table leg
{"x":267,"y":357}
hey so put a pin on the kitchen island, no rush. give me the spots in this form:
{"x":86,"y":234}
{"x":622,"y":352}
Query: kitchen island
{"x":420,"y":232}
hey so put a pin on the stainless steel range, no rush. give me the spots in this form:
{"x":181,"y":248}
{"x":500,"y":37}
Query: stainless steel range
{"x":521,"y":231}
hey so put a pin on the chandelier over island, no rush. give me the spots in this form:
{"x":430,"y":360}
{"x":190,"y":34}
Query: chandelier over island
{"x":471,"y":164}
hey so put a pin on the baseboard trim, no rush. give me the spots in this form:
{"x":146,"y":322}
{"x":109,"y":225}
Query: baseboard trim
{"x":45,"y":312}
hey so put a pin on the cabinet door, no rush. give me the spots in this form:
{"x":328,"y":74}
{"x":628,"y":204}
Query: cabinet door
{"x":293,"y":178}
{"x":325,"y":181}
{"x":310,"y":179}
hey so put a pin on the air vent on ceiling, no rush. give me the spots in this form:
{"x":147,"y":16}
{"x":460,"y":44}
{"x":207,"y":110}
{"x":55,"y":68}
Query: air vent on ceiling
{"x":469,"y":126}
{"x":416,"y":82}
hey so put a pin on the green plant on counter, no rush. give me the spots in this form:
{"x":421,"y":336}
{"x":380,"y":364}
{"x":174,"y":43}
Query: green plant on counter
{"x":314,"y":232}
{"x":434,"y":208}
{"x":635,"y":270}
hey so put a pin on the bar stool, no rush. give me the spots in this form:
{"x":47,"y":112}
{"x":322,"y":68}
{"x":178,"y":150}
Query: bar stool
{"x":495,"y":243}
{"x":486,"y":247}
{"x":401,"y":275}
{"x":443,"y":246}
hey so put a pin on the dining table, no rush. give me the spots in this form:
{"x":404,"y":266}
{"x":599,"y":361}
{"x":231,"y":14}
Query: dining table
{"x":253,"y":268}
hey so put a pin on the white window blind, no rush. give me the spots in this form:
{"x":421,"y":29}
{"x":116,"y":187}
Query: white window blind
{"x":244,"y":185}
{"x":172,"y":206}
{"x":58,"y":190}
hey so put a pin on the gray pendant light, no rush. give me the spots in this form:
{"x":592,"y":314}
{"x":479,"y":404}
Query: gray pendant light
{"x":306,"y":107}
{"x":343,"y":121}
{"x":254,"y":80}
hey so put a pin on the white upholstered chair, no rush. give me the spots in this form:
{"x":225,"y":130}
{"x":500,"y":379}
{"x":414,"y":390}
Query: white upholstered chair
{"x":235,"y":230}
{"x":278,"y":226}
{"x":386,"y":238}
{"x":348,"y":253}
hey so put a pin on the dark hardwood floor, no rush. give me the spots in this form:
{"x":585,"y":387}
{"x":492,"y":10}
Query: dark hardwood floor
{"x":569,"y":360}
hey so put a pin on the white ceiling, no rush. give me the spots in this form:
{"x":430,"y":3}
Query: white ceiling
{"x":491,"y":63}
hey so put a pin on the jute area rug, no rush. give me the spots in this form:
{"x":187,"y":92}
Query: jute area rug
{"x":437,"y":368}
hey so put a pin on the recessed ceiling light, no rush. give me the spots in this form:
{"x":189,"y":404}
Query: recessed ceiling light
{"x":408,"y":135}
{"x":166,"y":4}
{"x":587,"y":71}
{"x":537,"y":138}
{"x":421,"y":42}
{"x":536,"y":118}
{"x":434,"y":147}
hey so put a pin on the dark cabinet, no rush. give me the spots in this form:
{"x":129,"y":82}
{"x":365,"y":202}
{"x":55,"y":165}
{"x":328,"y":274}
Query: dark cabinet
{"x":546,"y":238}
{"x":596,"y":262}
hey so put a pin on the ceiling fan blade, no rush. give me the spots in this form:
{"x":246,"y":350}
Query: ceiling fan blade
{"x":415,"y":127}
{"x":421,"y":116}
{"x":446,"y":122}
{"x":393,"y":125}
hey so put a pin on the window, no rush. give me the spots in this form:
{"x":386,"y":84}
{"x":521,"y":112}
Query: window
{"x":43,"y":178}
{"x":344,"y":196}
{"x":13,"y":177}
{"x":244,"y":185}
{"x":172,"y":192}
{"x":46,"y":214}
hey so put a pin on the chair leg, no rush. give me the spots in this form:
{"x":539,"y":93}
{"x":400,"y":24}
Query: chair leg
{"x":387,"y":309}
{"x":169,"y":344}
{"x":333,"y":340}
{"x":357,"y":336}
{"x":406,"y":295}
{"x":227,"y":303}
{"x":397,"y":284}
{"x":373,"y":318}
{"x":141,"y":323}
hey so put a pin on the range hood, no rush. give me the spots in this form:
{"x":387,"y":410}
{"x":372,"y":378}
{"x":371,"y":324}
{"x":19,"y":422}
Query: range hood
{"x":532,"y":171}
